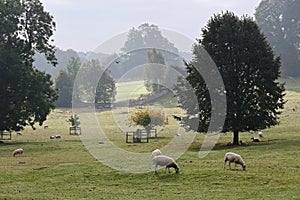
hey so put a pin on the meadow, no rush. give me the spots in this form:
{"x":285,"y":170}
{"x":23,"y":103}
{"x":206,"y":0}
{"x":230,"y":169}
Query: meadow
{"x":64,"y":169}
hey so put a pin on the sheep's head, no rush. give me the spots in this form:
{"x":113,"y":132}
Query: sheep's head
{"x":174,"y":165}
{"x":244,"y":166}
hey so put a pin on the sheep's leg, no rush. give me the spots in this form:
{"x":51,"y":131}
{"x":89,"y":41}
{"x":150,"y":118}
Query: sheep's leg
{"x":229,"y":165}
{"x":235,"y":166}
{"x":155,"y":170}
{"x":224,"y":164}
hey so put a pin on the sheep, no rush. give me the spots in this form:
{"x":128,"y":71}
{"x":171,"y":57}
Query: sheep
{"x":52,"y":137}
{"x":255,"y":139}
{"x":156,"y":152}
{"x":58,"y":136}
{"x":233,"y":157}
{"x":260,"y":134}
{"x":242,"y":143}
{"x":18,"y":152}
{"x":162,"y":160}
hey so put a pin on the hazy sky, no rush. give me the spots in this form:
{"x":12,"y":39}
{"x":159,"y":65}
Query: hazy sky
{"x":83,"y":25}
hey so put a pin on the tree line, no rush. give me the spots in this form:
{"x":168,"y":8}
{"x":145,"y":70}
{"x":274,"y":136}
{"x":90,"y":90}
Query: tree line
{"x":241,"y":52}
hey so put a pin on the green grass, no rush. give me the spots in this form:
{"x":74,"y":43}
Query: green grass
{"x":130,"y":90}
{"x":64,"y":169}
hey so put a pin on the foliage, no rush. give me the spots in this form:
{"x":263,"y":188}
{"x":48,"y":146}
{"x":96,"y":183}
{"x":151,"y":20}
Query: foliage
{"x":147,"y":36}
{"x":94,"y":86}
{"x":26,"y":94}
{"x":74,"y":120}
{"x":65,"y":83}
{"x":148,"y":117}
{"x":155,"y":70}
{"x":279,"y":20}
{"x":249,"y":70}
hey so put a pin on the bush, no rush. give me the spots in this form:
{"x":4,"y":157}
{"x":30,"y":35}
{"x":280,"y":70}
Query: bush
{"x":148,"y":117}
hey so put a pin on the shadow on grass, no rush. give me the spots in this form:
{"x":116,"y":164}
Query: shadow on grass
{"x":195,"y":146}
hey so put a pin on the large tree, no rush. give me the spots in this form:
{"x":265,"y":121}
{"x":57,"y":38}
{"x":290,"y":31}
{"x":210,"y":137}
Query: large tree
{"x":26,"y":94}
{"x":147,"y":36}
{"x":279,"y":20}
{"x":249,"y":70}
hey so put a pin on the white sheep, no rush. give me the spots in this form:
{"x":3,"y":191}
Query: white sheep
{"x":156,"y":152}
{"x":162,"y":160}
{"x":233,"y":157}
{"x":255,"y":139}
{"x":18,"y":152}
{"x":260,"y":134}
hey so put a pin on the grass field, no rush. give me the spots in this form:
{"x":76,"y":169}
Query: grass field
{"x":64,"y":169}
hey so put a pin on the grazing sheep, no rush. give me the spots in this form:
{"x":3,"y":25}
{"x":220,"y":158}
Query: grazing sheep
{"x":156,"y":152}
{"x":242,"y":143}
{"x":18,"y":152}
{"x":260,"y":134}
{"x":52,"y":137}
{"x":229,"y":144}
{"x":233,"y":157}
{"x":167,"y":161}
{"x":58,"y":136}
{"x":255,"y":139}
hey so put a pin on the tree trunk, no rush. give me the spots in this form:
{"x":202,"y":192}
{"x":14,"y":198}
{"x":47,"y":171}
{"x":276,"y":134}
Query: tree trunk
{"x":235,"y":137}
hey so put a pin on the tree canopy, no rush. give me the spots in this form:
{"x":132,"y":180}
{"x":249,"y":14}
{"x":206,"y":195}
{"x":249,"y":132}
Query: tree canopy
{"x":147,"y":36}
{"x":279,"y":20}
{"x":26,"y":94}
{"x":249,"y":70}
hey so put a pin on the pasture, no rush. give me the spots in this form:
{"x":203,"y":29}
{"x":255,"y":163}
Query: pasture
{"x":64,"y":169}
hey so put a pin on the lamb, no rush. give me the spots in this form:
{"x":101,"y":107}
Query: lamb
{"x":162,"y":160}
{"x":233,"y":157}
{"x":156,"y":152}
{"x":18,"y":152}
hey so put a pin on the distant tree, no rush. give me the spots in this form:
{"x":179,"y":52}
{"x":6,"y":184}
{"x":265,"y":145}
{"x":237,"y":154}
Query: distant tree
{"x":147,"y":36}
{"x":156,"y":71}
{"x":279,"y":20}
{"x":249,"y":70}
{"x":26,"y":94}
{"x":98,"y":83}
{"x":65,"y":83}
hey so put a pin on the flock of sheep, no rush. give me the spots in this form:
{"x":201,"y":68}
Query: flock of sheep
{"x":159,"y":159}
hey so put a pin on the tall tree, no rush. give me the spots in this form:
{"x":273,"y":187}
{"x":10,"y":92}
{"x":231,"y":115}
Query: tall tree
{"x":26,"y":94}
{"x":147,"y":36}
{"x":249,"y":70}
{"x":155,"y":70}
{"x":279,"y":20}
{"x":64,"y":83}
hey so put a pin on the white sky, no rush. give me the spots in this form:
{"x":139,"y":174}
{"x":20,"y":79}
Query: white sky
{"x":83,"y":25}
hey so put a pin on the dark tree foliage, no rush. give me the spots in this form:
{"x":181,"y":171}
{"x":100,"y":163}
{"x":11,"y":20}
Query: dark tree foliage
{"x":249,"y":70}
{"x":280,"y":22}
{"x":26,"y":94}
